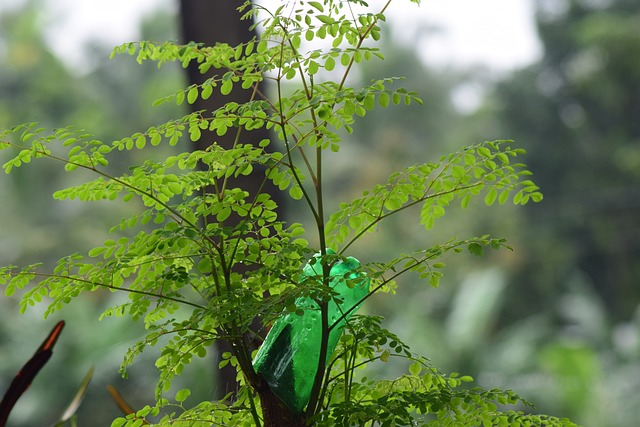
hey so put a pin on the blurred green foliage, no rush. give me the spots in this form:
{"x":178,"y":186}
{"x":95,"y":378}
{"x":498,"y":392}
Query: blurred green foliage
{"x":576,"y":112}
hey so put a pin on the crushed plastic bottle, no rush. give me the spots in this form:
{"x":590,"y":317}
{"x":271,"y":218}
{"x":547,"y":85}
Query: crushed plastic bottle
{"x":288,"y":358}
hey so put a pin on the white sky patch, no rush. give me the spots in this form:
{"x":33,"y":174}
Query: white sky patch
{"x":497,"y":34}
{"x":114,"y":22}
{"x":467,"y":97}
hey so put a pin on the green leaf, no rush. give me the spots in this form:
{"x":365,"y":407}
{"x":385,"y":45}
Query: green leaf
{"x":182,"y":395}
{"x":383,"y":99}
{"x":325,"y":19}
{"x":295,"y":41}
{"x":308,"y":35}
{"x":192,"y":95}
{"x":415,"y":368}
{"x":324,"y":112}
{"x":313,"y":67}
{"x":223,"y":214}
{"x":369,"y":102}
{"x":207,"y":91}
{"x":195,"y":133}
{"x":434,"y":280}
{"x":316,"y":5}
{"x":504,"y":196}
{"x":355,"y":222}
{"x":484,"y":151}
{"x":180,"y":97}
{"x":458,"y":172}
{"x":345,"y":58}
{"x":262,"y":46}
{"x":119,"y":422}
{"x":141,"y":141}
{"x":296,"y":192}
{"x":226,"y":87}
{"x":491,"y":196}
{"x":329,"y":64}
{"x":517,"y":199}
{"x":464,"y":202}
{"x":475,"y":249}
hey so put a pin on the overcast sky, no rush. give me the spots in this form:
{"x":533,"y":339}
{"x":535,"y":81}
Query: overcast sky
{"x":496,"y":33}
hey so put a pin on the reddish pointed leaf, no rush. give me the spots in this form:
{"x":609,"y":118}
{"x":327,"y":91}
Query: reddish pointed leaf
{"x":28,"y":372}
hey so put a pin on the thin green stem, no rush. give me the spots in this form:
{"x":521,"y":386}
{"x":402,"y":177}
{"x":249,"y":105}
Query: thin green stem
{"x":359,"y":45}
{"x":254,"y":411}
{"x":119,"y":288}
{"x":382,"y":216}
{"x":289,"y":155}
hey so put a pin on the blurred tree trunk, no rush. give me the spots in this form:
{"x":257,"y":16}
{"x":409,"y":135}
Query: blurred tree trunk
{"x":211,"y":22}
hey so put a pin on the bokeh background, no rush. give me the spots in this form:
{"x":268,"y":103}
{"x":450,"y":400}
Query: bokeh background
{"x":556,"y":319}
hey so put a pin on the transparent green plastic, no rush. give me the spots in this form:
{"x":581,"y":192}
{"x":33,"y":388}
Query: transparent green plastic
{"x":288,"y":358}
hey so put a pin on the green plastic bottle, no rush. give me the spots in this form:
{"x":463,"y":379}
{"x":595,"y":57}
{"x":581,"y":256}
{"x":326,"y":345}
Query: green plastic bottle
{"x":288,"y":358}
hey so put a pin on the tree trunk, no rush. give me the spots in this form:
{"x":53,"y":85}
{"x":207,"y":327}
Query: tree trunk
{"x":211,"y":22}
{"x":274,"y":412}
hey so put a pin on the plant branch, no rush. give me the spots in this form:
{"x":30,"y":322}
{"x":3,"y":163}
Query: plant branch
{"x":118,"y":288}
{"x":382,"y":216}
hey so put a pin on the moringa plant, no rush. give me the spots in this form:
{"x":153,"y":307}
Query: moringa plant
{"x":209,"y":258}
